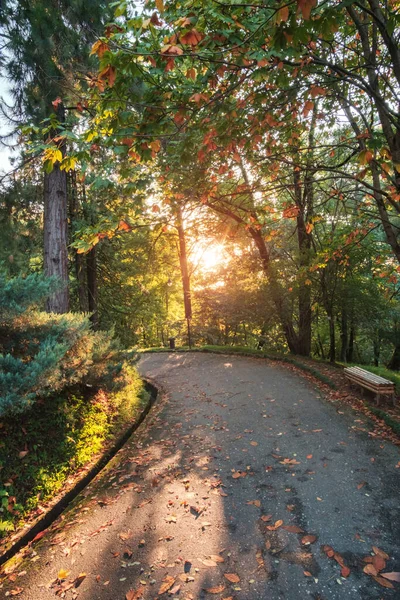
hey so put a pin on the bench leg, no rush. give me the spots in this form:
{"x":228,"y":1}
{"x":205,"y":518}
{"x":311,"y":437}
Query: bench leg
{"x":394,"y":399}
{"x":377,"y":398}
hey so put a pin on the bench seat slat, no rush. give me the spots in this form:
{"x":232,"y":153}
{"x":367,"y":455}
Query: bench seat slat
{"x":370,"y":381}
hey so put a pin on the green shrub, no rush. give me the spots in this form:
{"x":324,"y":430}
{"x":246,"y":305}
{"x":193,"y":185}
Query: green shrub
{"x":42,"y":354}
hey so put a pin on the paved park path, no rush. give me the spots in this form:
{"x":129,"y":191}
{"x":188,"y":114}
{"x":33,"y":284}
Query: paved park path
{"x":242,"y":484}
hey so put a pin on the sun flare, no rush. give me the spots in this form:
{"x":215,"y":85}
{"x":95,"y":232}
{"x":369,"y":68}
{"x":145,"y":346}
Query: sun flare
{"x":209,"y":258}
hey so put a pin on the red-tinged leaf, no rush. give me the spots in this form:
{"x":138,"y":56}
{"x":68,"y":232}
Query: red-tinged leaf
{"x":266,"y":518}
{"x":215,"y":590}
{"x":304,"y":7}
{"x":39,"y":536}
{"x":380,"y":552}
{"x":308,"y":539}
{"x":168,"y":582}
{"x":56,"y":102}
{"x":135,"y":594}
{"x":23,"y":453}
{"x":292,"y":528}
{"x":383,"y":582}
{"x":307,"y":573}
{"x":378,"y":562}
{"x":232,"y":577}
{"x":393,"y":576}
{"x":124,"y":226}
{"x":171,"y":50}
{"x":191,"y":38}
{"x":345,"y":572}
{"x":291,"y":212}
{"x":339,"y":559}
{"x":282,"y":14}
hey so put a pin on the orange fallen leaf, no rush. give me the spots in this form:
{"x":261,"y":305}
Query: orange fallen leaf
{"x":380,"y":552}
{"x":309,"y":456}
{"x":383,"y":582}
{"x":345,"y":572}
{"x":254,"y":503}
{"x":378,"y":562}
{"x":23,"y":453}
{"x":292,"y":528}
{"x":135,"y":594}
{"x":209,"y":563}
{"x":215,"y":590}
{"x":370,"y":570}
{"x":168,"y":582}
{"x":253,"y":443}
{"x":308,"y":539}
{"x":307,"y":573}
{"x":266,"y":518}
{"x":236,"y":475}
{"x":232,"y":577}
{"x":217,"y":558}
{"x":16,"y":591}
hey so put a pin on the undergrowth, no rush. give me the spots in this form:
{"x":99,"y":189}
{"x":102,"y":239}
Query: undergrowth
{"x":57,"y":437}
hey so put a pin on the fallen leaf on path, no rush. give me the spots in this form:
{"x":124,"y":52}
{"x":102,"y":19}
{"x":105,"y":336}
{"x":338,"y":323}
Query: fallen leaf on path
{"x":254,"y":502}
{"x":361,"y":485}
{"x":217,"y":558}
{"x":383,"y":582}
{"x":309,"y":456}
{"x":16,"y":591}
{"x":232,"y":577}
{"x":329,"y":551}
{"x":168,"y":582}
{"x":62,"y":574}
{"x":215,"y":590}
{"x":308,"y":539}
{"x":174,"y":590}
{"x":370,"y":570}
{"x":23,"y":453}
{"x":345,"y":572}
{"x":307,"y":573}
{"x":209,"y":563}
{"x":266,"y":518}
{"x":253,"y":443}
{"x":292,"y":528}
{"x":276,"y":525}
{"x":135,"y":594}
{"x":39,"y":536}
{"x":378,"y":562}
{"x":380,"y":552}
{"x":78,"y":580}
{"x":393,"y":576}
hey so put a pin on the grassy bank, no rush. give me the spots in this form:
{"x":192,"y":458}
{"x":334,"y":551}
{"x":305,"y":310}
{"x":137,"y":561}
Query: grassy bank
{"x":57,"y":438}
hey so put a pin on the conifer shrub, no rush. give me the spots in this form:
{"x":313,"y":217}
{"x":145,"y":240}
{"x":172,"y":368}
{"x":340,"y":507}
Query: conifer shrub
{"x":42,"y":354}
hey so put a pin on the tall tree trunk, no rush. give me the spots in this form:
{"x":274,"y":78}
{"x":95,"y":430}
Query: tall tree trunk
{"x":332,"y":340}
{"x":187,"y":298}
{"x":350,"y":349}
{"x":91,"y":264}
{"x":56,"y":230}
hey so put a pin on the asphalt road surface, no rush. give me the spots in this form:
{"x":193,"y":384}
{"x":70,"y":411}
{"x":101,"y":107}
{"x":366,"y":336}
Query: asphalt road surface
{"x":242,"y":484}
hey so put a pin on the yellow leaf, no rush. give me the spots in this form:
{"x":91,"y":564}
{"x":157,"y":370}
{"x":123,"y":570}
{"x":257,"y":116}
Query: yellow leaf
{"x":62,"y":574}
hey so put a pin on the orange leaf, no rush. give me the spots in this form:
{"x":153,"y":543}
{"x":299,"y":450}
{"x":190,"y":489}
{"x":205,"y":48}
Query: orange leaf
{"x":370,"y":570}
{"x":383,"y":582}
{"x":345,"y":572}
{"x":380,"y":552}
{"x":254,"y":503}
{"x":304,"y":7}
{"x":168,"y":583}
{"x":307,"y":573}
{"x":308,"y":539}
{"x":232,"y":577}
{"x":135,"y":595}
{"x":378,"y":562}
{"x":215,"y":590}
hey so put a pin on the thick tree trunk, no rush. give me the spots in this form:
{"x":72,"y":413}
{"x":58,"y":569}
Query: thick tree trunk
{"x":187,"y":297}
{"x":91,"y":263}
{"x":56,"y":232}
{"x":79,"y":259}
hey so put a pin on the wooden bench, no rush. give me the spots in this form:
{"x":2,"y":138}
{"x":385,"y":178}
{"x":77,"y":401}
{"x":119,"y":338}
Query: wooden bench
{"x":372,"y":382}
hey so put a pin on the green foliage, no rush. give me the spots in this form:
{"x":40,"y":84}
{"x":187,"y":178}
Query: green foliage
{"x":42,"y":354}
{"x":40,"y":449}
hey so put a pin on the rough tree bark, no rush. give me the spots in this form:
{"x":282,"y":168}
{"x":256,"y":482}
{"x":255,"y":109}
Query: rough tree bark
{"x":56,"y":230}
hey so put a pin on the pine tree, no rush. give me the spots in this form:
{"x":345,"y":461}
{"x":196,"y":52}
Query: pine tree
{"x":46,"y":46}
